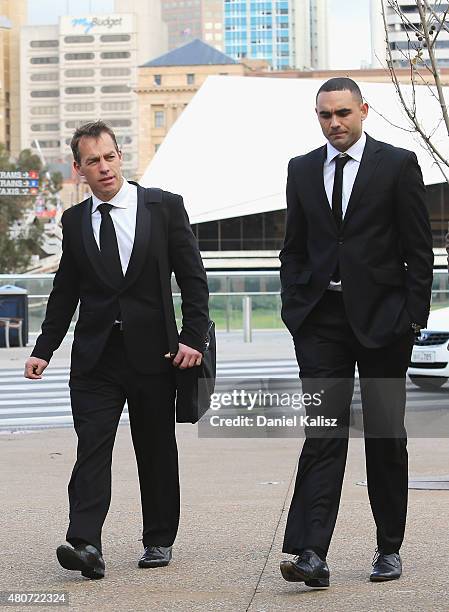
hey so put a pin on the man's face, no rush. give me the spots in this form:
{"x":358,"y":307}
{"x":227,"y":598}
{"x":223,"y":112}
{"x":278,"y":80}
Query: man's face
{"x":341,"y":114}
{"x":101,"y":165}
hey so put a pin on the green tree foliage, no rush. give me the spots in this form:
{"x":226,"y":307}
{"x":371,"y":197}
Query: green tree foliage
{"x":18,"y":240}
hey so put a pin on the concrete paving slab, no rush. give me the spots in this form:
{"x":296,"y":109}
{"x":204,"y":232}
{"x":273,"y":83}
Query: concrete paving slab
{"x":229,"y":545}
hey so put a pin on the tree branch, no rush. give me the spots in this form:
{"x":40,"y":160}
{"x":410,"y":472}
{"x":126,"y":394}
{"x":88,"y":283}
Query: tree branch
{"x":411,"y":109}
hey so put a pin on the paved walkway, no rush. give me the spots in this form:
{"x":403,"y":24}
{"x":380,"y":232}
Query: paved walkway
{"x":230,"y":346}
{"x":234,"y":499}
{"x":235,"y":493}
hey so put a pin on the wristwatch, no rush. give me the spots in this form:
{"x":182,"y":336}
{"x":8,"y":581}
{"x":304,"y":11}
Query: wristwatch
{"x":416,"y":328}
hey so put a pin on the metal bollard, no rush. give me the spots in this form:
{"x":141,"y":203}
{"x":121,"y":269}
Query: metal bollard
{"x":247,"y":326}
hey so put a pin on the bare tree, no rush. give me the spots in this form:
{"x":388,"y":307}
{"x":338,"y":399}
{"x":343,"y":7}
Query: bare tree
{"x":419,"y":56}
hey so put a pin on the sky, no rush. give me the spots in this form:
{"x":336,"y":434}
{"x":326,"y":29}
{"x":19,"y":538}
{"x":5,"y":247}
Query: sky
{"x":349,"y":30}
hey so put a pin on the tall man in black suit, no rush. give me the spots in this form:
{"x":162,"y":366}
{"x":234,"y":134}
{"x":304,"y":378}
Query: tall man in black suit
{"x":113,"y":246}
{"x":356,"y":275}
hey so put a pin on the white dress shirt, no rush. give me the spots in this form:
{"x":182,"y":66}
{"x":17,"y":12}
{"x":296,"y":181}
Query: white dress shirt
{"x":349,"y":174}
{"x":123,"y":215}
{"x":349,"y":171}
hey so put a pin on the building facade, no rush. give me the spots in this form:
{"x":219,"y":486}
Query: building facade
{"x":403,"y":42}
{"x":187,"y":20}
{"x":13,"y":15}
{"x":81,"y":70}
{"x":286,"y":33}
{"x":168,"y":83}
{"x":152,"y":32}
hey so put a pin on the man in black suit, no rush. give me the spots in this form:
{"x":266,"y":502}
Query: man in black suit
{"x":115,"y":245}
{"x":356,"y":275}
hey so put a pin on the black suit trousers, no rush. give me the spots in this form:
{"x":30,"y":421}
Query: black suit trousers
{"x":327,"y":351}
{"x":97,"y":402}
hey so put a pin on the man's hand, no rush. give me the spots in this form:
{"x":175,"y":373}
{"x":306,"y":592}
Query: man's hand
{"x":34,"y":367}
{"x":186,"y":357}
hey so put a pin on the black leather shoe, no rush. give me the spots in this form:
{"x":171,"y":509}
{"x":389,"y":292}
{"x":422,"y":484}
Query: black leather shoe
{"x":155,"y":556}
{"x":85,"y":558}
{"x":386,"y":567}
{"x":307,"y":568}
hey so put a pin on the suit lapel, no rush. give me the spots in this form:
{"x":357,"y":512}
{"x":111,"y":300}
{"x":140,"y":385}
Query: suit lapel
{"x":142,"y":236}
{"x":91,"y":246}
{"x":317,"y":180}
{"x":368,"y":164}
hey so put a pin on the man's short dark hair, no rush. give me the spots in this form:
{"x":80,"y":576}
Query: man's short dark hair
{"x":341,"y":84}
{"x":94,"y":129}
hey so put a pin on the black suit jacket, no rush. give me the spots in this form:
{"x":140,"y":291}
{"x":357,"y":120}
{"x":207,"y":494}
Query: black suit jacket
{"x":384,"y":246}
{"x":162,"y":231}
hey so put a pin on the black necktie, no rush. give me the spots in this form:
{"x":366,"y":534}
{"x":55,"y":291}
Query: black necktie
{"x":109,"y":246}
{"x":337,"y":196}
{"x":337,"y":190}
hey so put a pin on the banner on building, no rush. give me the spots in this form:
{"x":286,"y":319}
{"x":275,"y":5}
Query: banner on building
{"x":115,"y":23}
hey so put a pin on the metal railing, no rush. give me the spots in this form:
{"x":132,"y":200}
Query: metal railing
{"x":244,"y":301}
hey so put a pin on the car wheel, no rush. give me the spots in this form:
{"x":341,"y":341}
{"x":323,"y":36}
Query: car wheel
{"x":430,"y":383}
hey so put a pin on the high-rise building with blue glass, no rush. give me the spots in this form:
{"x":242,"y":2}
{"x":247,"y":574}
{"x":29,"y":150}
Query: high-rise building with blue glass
{"x":286,"y":33}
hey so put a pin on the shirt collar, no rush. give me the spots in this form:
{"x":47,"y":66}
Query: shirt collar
{"x":355,"y":151}
{"x":120,"y":200}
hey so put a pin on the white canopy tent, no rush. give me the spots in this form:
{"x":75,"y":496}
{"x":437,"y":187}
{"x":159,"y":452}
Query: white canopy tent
{"x":227,"y":153}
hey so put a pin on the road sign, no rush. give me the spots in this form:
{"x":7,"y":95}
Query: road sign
{"x":19,"y":183}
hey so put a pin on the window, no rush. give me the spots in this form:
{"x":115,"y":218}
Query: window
{"x":73,"y":73}
{"x":157,"y":79}
{"x":44,"y":110}
{"x":119,"y":122}
{"x":45,"y":60}
{"x":78,"y":39}
{"x":44,"y":127}
{"x":34,"y":44}
{"x":159,"y":119}
{"x":79,"y":90}
{"x":80,"y":107}
{"x":73,"y":123}
{"x":47,"y":144}
{"x":115,"y":54}
{"x":115,"y":37}
{"x":190,"y":79}
{"x":115,"y":89}
{"x":156,"y":146}
{"x":116,"y":106}
{"x":79,"y":56}
{"x":45,"y":93}
{"x":45,"y":76}
{"x":113,"y":72}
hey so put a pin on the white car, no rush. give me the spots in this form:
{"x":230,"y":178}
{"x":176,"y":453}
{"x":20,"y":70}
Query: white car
{"x":429,"y":367}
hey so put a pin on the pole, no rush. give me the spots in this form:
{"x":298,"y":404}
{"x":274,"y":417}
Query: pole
{"x":247,"y":327}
